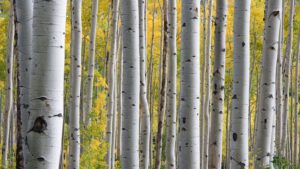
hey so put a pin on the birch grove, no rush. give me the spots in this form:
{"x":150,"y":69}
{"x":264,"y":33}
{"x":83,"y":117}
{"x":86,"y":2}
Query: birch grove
{"x":148,"y":84}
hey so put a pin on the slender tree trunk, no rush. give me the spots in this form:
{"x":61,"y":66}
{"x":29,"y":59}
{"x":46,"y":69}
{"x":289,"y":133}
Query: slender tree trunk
{"x":112,"y":75}
{"x":163,"y":87}
{"x":240,"y":94}
{"x":296,"y":142}
{"x":44,"y":131}
{"x":171,"y":90}
{"x":267,"y":107}
{"x":189,"y":139}
{"x":279,"y":86}
{"x":91,"y":63}
{"x":286,"y":79}
{"x":9,"y":85}
{"x":208,"y":86}
{"x":130,"y":85}
{"x":24,"y":11}
{"x":215,"y":151}
{"x":145,"y":114}
{"x":74,"y":116}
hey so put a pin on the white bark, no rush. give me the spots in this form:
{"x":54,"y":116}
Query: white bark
{"x":189,"y":139}
{"x":9,"y":85}
{"x":287,"y":78}
{"x":130,"y":85}
{"x":267,"y":107}
{"x":215,"y":139}
{"x":145,"y":114}
{"x":240,"y":94}
{"x":171,"y":87}
{"x":74,"y":116}
{"x":91,"y":63}
{"x":112,"y":85}
{"x":44,"y":131}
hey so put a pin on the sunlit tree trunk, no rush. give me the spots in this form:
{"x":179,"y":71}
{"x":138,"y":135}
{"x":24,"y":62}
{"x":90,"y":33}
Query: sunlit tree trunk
{"x":286,"y":78}
{"x":267,"y":107}
{"x":111,"y":82}
{"x":240,"y":94}
{"x":296,"y":142}
{"x":130,"y":85}
{"x":145,"y":114}
{"x":24,"y":11}
{"x":171,"y":87}
{"x":9,"y":85}
{"x":74,"y":116}
{"x":91,"y":63}
{"x":189,"y":131}
{"x":44,"y":131}
{"x":215,"y":139}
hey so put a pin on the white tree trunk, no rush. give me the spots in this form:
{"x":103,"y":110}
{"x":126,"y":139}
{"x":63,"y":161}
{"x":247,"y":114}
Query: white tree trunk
{"x":112,"y":85}
{"x":189,"y":139}
{"x":91,"y":64}
{"x":9,"y":85}
{"x":44,"y":131}
{"x":145,"y":114}
{"x":171,"y":87}
{"x":74,"y":116}
{"x":296,"y":142}
{"x":287,"y":78}
{"x":24,"y":11}
{"x":215,"y":139}
{"x":240,"y":94}
{"x":267,"y":107}
{"x":130,"y":85}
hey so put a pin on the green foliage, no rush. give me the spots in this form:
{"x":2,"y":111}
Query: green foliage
{"x":282,"y":163}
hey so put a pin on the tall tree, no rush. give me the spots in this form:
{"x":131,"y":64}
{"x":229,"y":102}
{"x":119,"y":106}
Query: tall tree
{"x":44,"y":131}
{"x":145,"y":114}
{"x":74,"y":116}
{"x":171,"y":91}
{"x":130,"y":85}
{"x":267,"y":107}
{"x":112,"y":83}
{"x":91,"y":63}
{"x":287,"y":78}
{"x":215,"y":139}
{"x":189,"y":139}
{"x":24,"y":11}
{"x":9,"y":85}
{"x":240,"y":93}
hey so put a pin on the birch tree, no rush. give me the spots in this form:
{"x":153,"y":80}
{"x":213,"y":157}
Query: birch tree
{"x":145,"y":114}
{"x":130,"y":85}
{"x":215,"y":139}
{"x":267,"y":107}
{"x":189,"y":139}
{"x":91,"y":63}
{"x":240,"y":93}
{"x":112,"y":84}
{"x":74,"y":116}
{"x":9,"y":85}
{"x":287,"y":78}
{"x":24,"y":11}
{"x":44,"y":131}
{"x":171,"y":91}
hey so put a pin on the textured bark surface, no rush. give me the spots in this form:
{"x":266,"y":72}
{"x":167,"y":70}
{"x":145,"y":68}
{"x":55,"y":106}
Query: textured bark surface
{"x":171,"y":87}
{"x":74,"y":116}
{"x":91,"y":63}
{"x":189,"y":131}
{"x":130,"y":85}
{"x":267,"y":107}
{"x":215,"y":139}
{"x":145,"y":114}
{"x":44,"y":132}
{"x":240,"y":94}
